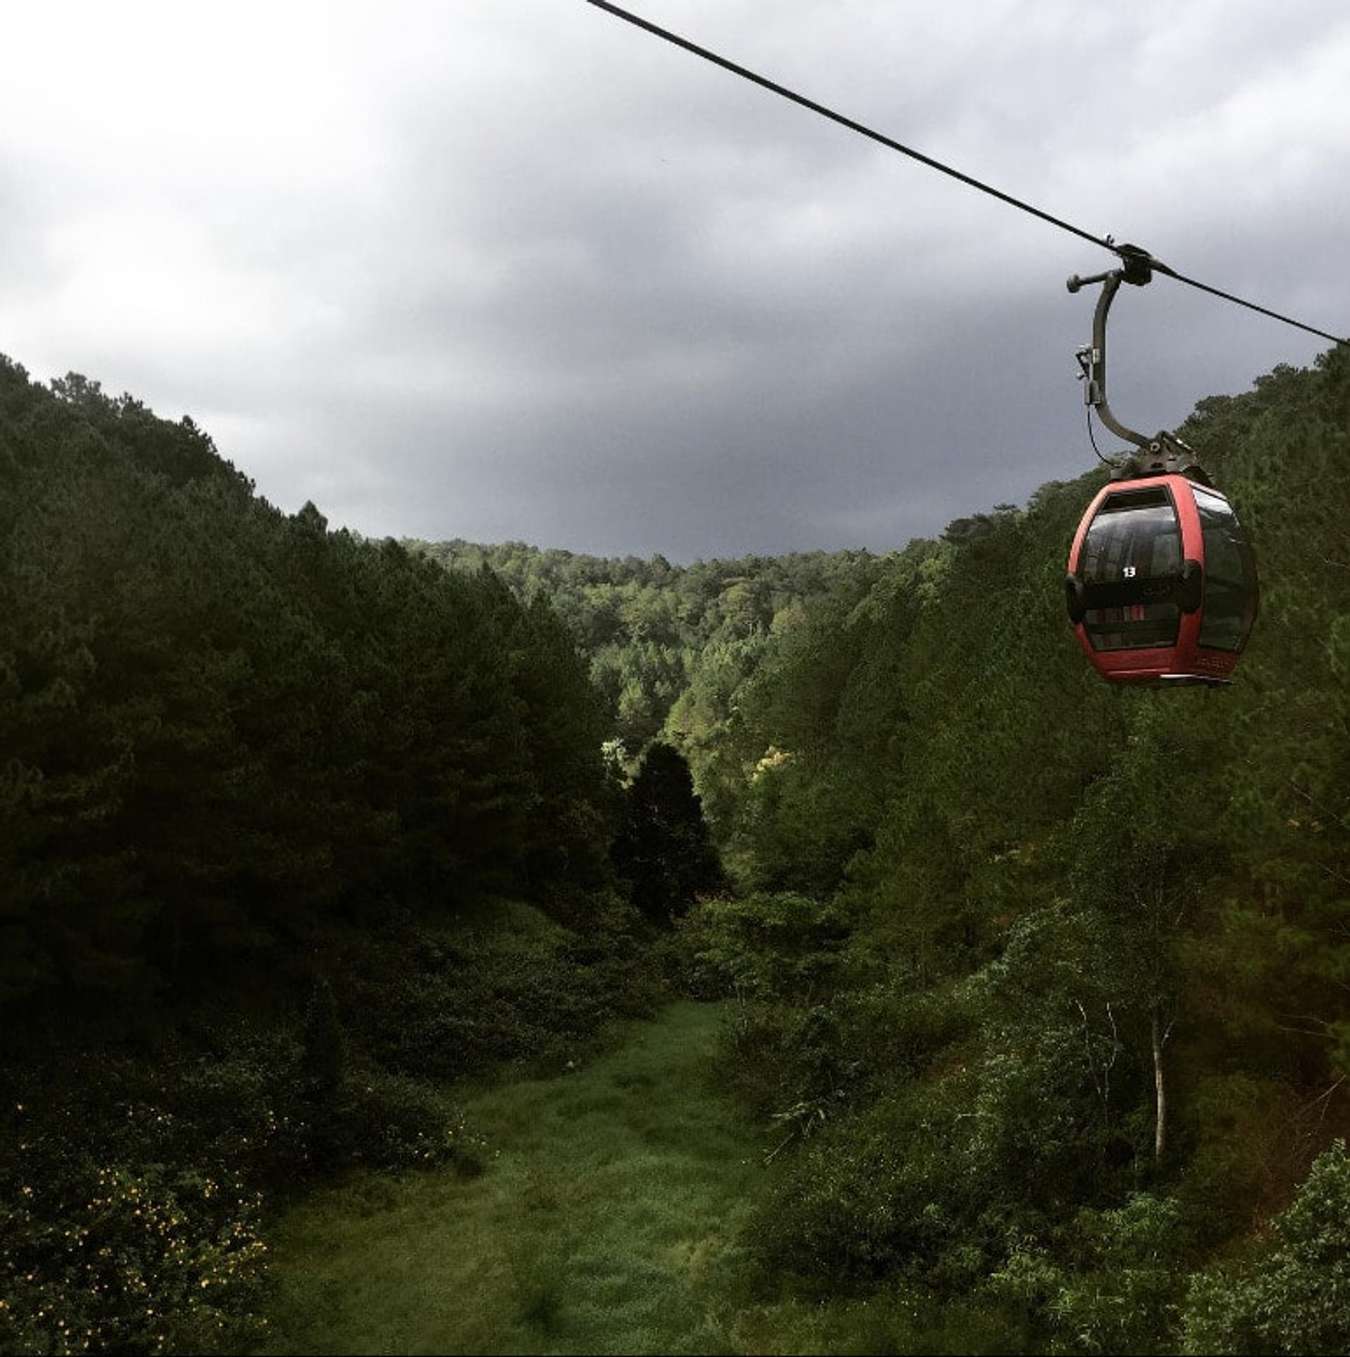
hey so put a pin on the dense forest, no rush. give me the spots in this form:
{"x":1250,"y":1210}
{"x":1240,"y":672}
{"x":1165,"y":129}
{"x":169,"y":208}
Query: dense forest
{"x":1058,"y":1010}
{"x":1051,"y":977}
{"x":250,"y":768}
{"x":1036,"y":988}
{"x":648,"y":627}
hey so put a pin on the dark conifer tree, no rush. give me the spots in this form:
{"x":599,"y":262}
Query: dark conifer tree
{"x":324,"y":1056}
{"x":664,"y":850}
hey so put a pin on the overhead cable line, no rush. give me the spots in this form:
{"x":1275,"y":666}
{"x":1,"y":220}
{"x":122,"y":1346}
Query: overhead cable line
{"x":1160,"y":267}
{"x":1106,"y":242}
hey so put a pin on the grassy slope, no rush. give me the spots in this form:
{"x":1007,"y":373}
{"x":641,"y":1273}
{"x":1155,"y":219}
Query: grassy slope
{"x":605,"y":1223}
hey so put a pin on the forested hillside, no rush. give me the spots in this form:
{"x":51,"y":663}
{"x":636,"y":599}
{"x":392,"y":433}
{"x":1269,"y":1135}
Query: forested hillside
{"x":290,"y":823}
{"x":1056,"y":1014}
{"x":1043,"y":982}
{"x":649,"y":627}
{"x":1036,"y":988}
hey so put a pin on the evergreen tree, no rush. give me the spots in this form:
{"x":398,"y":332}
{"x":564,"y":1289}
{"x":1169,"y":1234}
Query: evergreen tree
{"x":324,"y":1054}
{"x":664,"y":850}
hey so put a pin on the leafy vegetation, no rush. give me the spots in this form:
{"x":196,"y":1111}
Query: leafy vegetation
{"x":1032,"y":989}
{"x":290,"y":822}
{"x":1290,"y":1293}
{"x":650,"y":627}
{"x":1086,"y":1028}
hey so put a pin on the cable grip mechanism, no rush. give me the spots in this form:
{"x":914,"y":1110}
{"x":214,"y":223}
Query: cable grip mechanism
{"x":1164,"y":453}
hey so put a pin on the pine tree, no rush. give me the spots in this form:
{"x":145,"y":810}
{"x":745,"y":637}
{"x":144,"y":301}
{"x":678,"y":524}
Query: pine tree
{"x":664,"y":850}
{"x":324,"y":1060}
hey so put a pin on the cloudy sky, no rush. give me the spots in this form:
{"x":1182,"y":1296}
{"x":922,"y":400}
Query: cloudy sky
{"x":513,"y":269}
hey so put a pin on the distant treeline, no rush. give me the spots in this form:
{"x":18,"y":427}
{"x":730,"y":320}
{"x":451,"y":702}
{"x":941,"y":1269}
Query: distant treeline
{"x":647,"y":625}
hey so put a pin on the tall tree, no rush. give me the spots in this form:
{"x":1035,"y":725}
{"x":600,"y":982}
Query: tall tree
{"x":664,"y":850}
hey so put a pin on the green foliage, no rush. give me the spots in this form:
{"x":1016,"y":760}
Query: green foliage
{"x":133,"y":1188}
{"x":111,"y":1240}
{"x":663,"y":850}
{"x":769,"y":947}
{"x":1115,"y":1286}
{"x":458,"y":1003}
{"x":1248,"y":1140}
{"x":224,"y":727}
{"x":781,"y":1048}
{"x":876,"y":1195}
{"x":325,"y":1055}
{"x":1292,"y":1294}
{"x":389,"y":1121}
{"x":670,"y":647}
{"x":112,"y":1258}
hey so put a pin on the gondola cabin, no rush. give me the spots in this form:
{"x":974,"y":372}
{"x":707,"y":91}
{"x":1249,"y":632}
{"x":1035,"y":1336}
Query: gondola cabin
{"x":1162,"y":583}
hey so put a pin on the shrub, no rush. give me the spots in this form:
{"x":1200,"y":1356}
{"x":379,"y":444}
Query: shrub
{"x":877,"y":1194}
{"x":1293,"y":1293}
{"x":389,"y":1121}
{"x":1121,"y":1289}
{"x":130,"y":1191}
{"x":110,"y":1256}
{"x":473,"y":1003}
{"x":1237,"y":1165}
{"x":870,"y":1198}
{"x":893,"y":1027}
{"x":752,"y":1058}
{"x":783,"y":947}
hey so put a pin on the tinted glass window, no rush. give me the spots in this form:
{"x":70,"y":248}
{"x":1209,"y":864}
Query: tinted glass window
{"x":1135,"y":531}
{"x":1133,"y":540}
{"x":1230,"y":575}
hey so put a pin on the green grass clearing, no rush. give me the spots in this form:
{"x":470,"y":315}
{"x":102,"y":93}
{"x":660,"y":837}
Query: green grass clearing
{"x":606,"y":1221}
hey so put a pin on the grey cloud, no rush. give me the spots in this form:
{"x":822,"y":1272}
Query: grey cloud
{"x":547,"y":279}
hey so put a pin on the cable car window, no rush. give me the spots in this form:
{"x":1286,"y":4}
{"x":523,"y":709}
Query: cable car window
{"x":1229,"y":579}
{"x":1132,"y":554}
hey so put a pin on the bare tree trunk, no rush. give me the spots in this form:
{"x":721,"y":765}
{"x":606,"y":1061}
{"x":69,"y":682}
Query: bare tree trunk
{"x":1159,"y":1087}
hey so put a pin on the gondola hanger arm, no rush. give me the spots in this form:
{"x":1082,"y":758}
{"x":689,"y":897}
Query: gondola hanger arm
{"x":1092,"y":357}
{"x":1163,"y":450}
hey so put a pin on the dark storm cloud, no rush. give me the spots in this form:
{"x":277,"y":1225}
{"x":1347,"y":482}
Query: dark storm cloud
{"x":522,"y":272}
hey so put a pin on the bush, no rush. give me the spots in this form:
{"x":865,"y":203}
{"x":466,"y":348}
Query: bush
{"x":893,"y":1027}
{"x":111,"y":1256}
{"x":774,"y":947}
{"x":877,"y":1194}
{"x":388,"y":1121}
{"x":1238,"y":1165}
{"x":1293,"y":1293}
{"x":130,"y":1191}
{"x":873,"y":1197}
{"x":1113,"y":1283}
{"x":469,"y":1003}
{"x":753,"y":1058}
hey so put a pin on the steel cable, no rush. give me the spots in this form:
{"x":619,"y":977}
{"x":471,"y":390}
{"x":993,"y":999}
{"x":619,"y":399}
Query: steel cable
{"x":1105,"y":242}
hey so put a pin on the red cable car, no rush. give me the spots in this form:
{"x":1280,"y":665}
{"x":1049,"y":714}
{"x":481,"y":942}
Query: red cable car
{"x":1162,"y":582}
